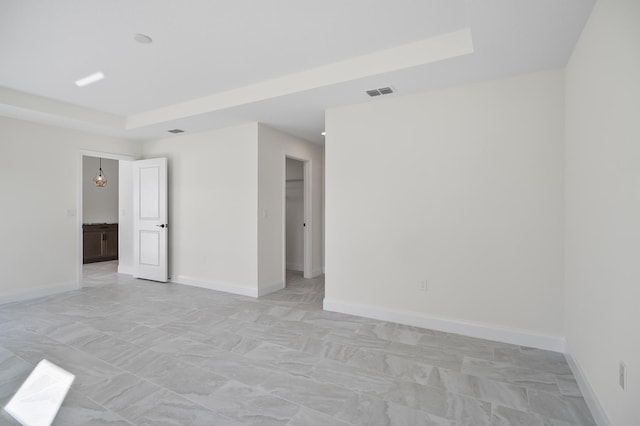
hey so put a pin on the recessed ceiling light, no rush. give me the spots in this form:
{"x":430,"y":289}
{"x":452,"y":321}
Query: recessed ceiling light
{"x":323,"y":133}
{"x":96,"y":76}
{"x":175,"y":131}
{"x":142,"y":38}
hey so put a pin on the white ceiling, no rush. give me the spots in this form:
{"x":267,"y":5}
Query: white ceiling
{"x":215,"y":63}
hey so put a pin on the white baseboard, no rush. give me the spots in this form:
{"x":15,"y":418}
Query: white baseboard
{"x":215,"y":285}
{"x":598,"y":413}
{"x":264,"y":289}
{"x":125,"y":269}
{"x":300,"y":268}
{"x":482,"y":331}
{"x":295,"y":267}
{"x":40,"y":291}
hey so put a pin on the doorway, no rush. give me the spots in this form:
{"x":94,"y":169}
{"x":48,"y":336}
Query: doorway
{"x":99,"y":215}
{"x":295,"y":226}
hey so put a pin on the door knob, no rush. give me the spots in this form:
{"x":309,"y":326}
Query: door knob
{"x":163,"y":225}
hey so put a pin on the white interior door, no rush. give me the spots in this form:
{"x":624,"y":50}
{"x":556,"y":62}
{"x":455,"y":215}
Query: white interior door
{"x":150,"y":219}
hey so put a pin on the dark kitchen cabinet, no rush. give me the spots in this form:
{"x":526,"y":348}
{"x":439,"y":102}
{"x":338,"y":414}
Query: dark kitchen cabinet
{"x":99,"y":242}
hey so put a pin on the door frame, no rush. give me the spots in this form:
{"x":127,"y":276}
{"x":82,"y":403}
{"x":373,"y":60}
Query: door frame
{"x":79,"y":198}
{"x":307,"y":234}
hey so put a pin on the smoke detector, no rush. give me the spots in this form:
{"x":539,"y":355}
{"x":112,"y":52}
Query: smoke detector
{"x":142,"y":38}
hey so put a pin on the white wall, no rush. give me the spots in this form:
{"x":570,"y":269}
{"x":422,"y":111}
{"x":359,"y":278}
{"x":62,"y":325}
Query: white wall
{"x":294,"y":169}
{"x":213,"y":195}
{"x":273,"y":148}
{"x":39,"y":181}
{"x":294,"y":211}
{"x":99,"y":204}
{"x":602,"y":319}
{"x":462,"y":187}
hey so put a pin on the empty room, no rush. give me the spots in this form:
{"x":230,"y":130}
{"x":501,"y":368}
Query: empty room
{"x":296,"y":213}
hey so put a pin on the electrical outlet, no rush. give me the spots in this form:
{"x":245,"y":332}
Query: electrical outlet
{"x":423,"y":285}
{"x":623,"y":375}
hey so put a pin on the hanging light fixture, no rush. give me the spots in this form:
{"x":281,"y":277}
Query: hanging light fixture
{"x":100,"y":179}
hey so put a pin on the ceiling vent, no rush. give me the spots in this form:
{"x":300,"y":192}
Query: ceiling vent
{"x":176,"y":131}
{"x":380,"y":91}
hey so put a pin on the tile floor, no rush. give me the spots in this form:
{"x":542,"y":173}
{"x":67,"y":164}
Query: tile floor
{"x":146,"y":353}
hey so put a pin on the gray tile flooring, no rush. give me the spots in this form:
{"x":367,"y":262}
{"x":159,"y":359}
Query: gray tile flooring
{"x":146,"y":353}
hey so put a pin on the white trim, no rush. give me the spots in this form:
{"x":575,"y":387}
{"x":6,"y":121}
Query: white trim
{"x":317,"y":272}
{"x":35,"y":292}
{"x":125,"y":270}
{"x":109,"y":155}
{"x":295,"y":267}
{"x":597,"y":411}
{"x":448,"y":325}
{"x":283,"y":219}
{"x":307,"y":231}
{"x":216,"y":285}
{"x":265,"y":289}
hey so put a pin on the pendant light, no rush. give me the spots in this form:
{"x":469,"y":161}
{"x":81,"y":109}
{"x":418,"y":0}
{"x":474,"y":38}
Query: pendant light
{"x":100,"y":179}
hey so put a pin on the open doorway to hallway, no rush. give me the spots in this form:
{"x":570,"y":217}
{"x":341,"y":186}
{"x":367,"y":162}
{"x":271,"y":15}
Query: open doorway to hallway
{"x":109,"y":206}
{"x":100,"y":210}
{"x":294,"y":219}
